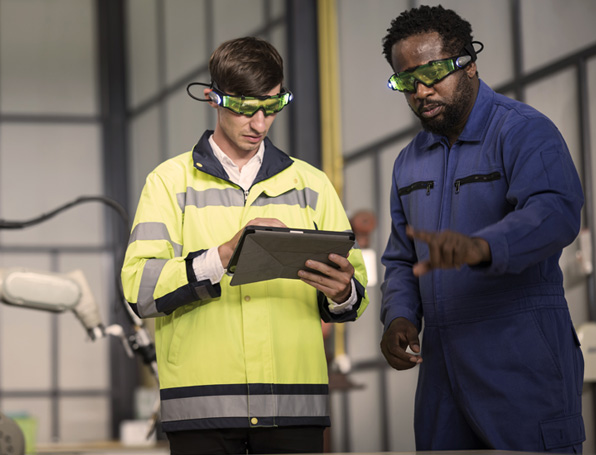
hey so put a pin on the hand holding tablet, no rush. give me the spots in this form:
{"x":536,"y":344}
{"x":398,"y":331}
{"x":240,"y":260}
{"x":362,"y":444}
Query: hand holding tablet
{"x":265,"y":252}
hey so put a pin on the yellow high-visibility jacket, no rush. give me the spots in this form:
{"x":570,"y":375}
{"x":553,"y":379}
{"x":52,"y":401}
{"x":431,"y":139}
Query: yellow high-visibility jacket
{"x":241,"y":356}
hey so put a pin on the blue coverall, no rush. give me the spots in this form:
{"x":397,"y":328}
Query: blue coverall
{"x":502,"y":364}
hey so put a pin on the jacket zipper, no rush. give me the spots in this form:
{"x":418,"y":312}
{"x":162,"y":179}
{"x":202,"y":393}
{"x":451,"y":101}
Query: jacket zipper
{"x":476,"y":178}
{"x":428,"y":185}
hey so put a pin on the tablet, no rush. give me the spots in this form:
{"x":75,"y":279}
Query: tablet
{"x":265,"y":252}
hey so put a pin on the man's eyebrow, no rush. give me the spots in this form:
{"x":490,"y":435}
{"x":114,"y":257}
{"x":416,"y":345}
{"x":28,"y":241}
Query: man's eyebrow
{"x":409,"y":70}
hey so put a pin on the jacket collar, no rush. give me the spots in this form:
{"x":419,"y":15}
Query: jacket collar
{"x":274,"y":160}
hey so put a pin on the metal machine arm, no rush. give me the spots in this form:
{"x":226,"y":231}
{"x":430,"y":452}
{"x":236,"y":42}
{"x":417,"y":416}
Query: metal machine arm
{"x":52,"y":292}
{"x":58,"y":293}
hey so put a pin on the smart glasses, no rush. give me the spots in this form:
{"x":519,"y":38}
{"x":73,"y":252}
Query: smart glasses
{"x":432,"y":72}
{"x":428,"y":74}
{"x":246,"y":105}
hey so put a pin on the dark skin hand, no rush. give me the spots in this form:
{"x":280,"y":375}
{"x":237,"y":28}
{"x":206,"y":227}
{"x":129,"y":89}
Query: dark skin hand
{"x":400,"y":335}
{"x":336,"y":284}
{"x":449,"y":250}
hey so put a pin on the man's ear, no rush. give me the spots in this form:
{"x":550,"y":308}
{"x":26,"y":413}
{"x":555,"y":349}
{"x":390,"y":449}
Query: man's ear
{"x":471,"y":70}
{"x":210,"y":95}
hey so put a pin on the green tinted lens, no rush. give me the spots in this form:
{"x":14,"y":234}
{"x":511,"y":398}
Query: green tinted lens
{"x":404,"y":82}
{"x":429,"y":74}
{"x":247,"y":105}
{"x":433,"y":72}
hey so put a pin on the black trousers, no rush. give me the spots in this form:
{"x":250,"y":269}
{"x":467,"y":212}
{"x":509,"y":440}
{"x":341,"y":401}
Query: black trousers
{"x":305,"y":439}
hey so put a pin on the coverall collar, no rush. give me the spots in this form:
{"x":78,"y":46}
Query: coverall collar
{"x":475,"y":128}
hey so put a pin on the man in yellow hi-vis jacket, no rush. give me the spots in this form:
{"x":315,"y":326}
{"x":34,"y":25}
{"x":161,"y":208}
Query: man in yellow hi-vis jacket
{"x":241,"y":368}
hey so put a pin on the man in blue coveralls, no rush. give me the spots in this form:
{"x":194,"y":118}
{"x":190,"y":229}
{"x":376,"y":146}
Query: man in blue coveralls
{"x":482,"y":203}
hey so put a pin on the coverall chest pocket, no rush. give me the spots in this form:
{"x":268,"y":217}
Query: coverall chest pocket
{"x":476,"y":178}
{"x":417,"y":199}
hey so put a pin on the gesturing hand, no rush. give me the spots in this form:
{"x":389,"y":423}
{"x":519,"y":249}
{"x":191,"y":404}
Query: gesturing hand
{"x":449,"y":250}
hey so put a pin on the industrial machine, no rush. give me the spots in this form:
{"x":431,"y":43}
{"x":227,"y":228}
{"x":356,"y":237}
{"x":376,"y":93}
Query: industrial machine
{"x":12,"y":441}
{"x":58,"y":293}
{"x":67,"y":292}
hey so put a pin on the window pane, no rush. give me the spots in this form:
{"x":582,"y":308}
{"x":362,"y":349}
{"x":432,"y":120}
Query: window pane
{"x":44,"y":167}
{"x":552,"y":29}
{"x":240,"y":18}
{"x":47,"y":57}
{"x":141,"y":38}
{"x":84,"y":419}
{"x":186,"y":40}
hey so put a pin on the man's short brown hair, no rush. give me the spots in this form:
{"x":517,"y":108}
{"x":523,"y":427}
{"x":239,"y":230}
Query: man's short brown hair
{"x":246,"y":66}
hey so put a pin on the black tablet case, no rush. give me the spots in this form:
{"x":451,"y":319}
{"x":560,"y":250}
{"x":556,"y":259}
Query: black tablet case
{"x":264,"y":253}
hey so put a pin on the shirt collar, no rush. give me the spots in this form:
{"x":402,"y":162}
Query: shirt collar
{"x":274,"y":160}
{"x":225,"y":159}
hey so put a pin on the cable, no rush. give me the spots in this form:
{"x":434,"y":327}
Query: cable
{"x":46,"y":216}
{"x":140,"y":341}
{"x":80,"y":200}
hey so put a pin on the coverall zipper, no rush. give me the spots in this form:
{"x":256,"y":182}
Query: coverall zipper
{"x":476,"y":178}
{"x":428,"y":185}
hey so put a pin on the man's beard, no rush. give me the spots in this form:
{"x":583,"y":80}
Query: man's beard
{"x":451,"y":119}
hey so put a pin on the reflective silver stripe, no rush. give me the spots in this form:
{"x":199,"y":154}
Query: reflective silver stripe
{"x":154,"y":231}
{"x":146,"y":304}
{"x":204,"y":407}
{"x":288,"y":405}
{"x":303,"y":198}
{"x":181,"y":198}
{"x":202,"y":292}
{"x":234,"y":197}
{"x":236,"y":406}
{"x":227,"y":197}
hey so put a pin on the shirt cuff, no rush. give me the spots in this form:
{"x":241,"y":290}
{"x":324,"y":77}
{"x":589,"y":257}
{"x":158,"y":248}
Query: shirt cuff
{"x":208,"y":266}
{"x":338,"y":308}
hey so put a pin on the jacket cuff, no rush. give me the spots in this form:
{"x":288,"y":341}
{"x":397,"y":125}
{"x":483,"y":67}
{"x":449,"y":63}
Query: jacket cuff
{"x":190,"y":273}
{"x":203,"y":290}
{"x":351,"y":315}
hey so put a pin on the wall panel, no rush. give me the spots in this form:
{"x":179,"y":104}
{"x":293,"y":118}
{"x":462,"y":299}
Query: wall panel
{"x":237,"y":19}
{"x":46,"y":66}
{"x":492,"y":25}
{"x":45,"y":166}
{"x":553,"y":29}
{"x":187,"y":119}
{"x":145,"y":152}
{"x":372,"y":110}
{"x":85,"y":419}
{"x":142,"y":50}
{"x":186,"y":22}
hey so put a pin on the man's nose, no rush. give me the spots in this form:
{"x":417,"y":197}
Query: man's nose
{"x":257,"y":121}
{"x":422,"y":91}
